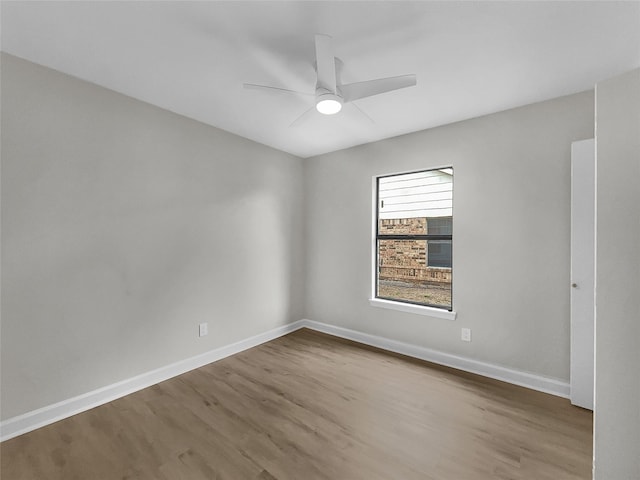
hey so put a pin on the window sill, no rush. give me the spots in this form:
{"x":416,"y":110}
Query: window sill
{"x":410,"y":308}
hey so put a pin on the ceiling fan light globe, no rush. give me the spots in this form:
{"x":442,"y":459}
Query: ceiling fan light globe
{"x":328,"y":104}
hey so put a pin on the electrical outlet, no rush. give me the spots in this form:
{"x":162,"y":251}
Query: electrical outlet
{"x":203,"y":329}
{"x":465,"y":336}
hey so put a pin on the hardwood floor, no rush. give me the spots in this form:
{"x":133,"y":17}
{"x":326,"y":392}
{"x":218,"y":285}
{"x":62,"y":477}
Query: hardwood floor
{"x":310,"y":406}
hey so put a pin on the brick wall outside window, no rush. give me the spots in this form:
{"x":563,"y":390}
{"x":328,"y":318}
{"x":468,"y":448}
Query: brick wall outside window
{"x":406,"y":260}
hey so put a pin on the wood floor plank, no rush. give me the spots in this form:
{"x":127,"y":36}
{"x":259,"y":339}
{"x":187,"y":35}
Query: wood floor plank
{"x":314,"y":407}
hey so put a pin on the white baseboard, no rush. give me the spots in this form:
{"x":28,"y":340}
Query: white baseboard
{"x":29,"y":421}
{"x":541,"y":383}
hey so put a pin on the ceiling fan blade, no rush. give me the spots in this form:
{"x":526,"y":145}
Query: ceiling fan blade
{"x":354,"y":91}
{"x":364,"y":113}
{"x":266,"y":88}
{"x":301,"y":117}
{"x":325,"y":63}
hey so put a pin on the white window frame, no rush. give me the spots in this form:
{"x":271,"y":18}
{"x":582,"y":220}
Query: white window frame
{"x":392,"y":304}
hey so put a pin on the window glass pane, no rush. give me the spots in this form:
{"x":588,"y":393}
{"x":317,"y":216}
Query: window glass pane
{"x":439,"y":253}
{"x":407,"y":201}
{"x":417,"y":271}
{"x":439,"y":225}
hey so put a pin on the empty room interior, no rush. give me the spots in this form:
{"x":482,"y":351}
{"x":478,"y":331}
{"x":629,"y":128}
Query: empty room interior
{"x":320,"y":240}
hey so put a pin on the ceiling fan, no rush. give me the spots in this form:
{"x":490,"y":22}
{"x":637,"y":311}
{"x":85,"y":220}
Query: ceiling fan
{"x":330,"y":93}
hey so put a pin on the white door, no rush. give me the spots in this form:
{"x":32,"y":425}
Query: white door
{"x":582,"y":271}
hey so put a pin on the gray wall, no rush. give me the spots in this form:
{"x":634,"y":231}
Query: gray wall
{"x":511,"y":234}
{"x":123,"y":227}
{"x":617,"y":401}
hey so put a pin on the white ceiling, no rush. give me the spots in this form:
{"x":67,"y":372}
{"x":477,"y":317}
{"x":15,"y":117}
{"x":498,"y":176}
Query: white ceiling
{"x":471,"y":58}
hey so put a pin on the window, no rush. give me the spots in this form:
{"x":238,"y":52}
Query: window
{"x":414,"y":231}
